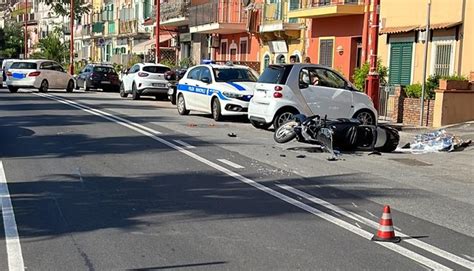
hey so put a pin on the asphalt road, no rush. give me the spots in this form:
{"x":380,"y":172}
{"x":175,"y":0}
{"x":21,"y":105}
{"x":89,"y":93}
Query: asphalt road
{"x":97,"y":182}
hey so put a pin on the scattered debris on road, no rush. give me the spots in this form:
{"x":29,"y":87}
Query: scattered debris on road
{"x":232,"y":135}
{"x":282,"y":155}
{"x":301,"y":156}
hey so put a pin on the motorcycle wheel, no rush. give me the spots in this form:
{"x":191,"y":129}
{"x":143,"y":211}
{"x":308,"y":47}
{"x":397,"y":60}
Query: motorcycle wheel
{"x":285,"y":133}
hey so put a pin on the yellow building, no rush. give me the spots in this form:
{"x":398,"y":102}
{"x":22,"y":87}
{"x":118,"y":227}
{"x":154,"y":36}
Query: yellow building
{"x":280,"y":36}
{"x":402,"y":39}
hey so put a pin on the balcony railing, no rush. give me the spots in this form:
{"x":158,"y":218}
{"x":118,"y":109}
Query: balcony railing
{"x":325,"y":3}
{"x":217,"y":11}
{"x":174,"y":9}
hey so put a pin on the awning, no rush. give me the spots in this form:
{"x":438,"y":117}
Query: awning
{"x":142,"y":47}
{"x":397,"y":29}
{"x":440,"y":26}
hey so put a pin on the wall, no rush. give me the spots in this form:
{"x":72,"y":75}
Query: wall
{"x":253,"y":46}
{"x":453,"y":106}
{"x":344,"y":30}
{"x":411,"y":112}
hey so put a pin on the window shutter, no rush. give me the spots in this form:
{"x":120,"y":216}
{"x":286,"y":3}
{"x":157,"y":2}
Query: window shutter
{"x":326,"y":52}
{"x":400,"y":63}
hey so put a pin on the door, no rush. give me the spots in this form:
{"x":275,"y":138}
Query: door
{"x":233,"y":54}
{"x":128,"y":79}
{"x":325,"y":93}
{"x":61,"y":78}
{"x":83,"y":75}
{"x":204,"y":100}
{"x":400,"y":63}
{"x":47,"y":72}
{"x":190,"y":86}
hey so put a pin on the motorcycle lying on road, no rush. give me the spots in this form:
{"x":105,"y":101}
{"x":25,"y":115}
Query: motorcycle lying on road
{"x":339,"y":134}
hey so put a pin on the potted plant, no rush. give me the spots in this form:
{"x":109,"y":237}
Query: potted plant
{"x":453,"y":82}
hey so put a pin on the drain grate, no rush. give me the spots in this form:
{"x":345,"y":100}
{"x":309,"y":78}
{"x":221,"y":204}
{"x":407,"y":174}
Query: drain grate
{"x":410,"y":162}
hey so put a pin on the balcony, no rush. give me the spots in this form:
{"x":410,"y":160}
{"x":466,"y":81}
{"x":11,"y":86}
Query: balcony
{"x":131,"y":28}
{"x":175,"y":12}
{"x":218,"y":17}
{"x":274,"y":18}
{"x":328,"y":8}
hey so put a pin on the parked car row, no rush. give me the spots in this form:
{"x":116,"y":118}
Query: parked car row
{"x":269,"y":99}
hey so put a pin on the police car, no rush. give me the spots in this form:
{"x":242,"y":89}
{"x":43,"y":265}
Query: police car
{"x":222,"y":90}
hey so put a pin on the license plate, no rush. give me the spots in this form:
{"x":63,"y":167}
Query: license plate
{"x":18,"y":75}
{"x":105,"y":82}
{"x":158,"y":85}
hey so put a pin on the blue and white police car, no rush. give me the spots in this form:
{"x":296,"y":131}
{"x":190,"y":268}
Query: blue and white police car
{"x":222,"y":90}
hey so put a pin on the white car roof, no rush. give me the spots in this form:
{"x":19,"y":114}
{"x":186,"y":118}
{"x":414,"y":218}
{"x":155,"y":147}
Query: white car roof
{"x":152,"y":64}
{"x":223,"y":66}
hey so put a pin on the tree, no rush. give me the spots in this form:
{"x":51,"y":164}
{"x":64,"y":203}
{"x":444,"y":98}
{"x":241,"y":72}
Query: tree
{"x":61,"y":7}
{"x":52,"y":48}
{"x":11,"y":45}
{"x":360,"y":74}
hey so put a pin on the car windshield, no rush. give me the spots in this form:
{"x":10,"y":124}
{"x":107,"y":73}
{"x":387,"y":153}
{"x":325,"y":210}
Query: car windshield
{"x":234,"y":75}
{"x":24,"y":66}
{"x":101,"y":69}
{"x":156,"y":69}
{"x":275,"y":74}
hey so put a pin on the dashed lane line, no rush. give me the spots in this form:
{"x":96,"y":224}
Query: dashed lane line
{"x":14,"y":254}
{"x":230,"y":163}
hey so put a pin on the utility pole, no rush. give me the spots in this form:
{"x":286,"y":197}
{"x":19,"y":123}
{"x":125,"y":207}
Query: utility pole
{"x":157,"y":33}
{"x":373,"y":80}
{"x":425,"y":59}
{"x":71,"y":44}
{"x":365,"y":32}
{"x":26,"y":30}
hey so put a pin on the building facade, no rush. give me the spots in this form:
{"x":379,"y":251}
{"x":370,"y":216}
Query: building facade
{"x":403,"y":37}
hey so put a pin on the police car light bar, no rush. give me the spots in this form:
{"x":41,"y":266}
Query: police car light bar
{"x":208,"y":61}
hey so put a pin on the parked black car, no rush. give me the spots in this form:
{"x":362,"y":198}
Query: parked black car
{"x":95,"y":76}
{"x":173,"y":77}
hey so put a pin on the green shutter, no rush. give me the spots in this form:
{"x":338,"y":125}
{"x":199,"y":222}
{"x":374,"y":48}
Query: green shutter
{"x":400,"y":63}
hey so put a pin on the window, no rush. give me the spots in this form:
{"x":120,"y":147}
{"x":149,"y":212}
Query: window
{"x":442,"y":57}
{"x":156,"y":69}
{"x":243,"y":50}
{"x":46,"y":66}
{"x":326,"y":48}
{"x":205,"y":73}
{"x":266,"y":61}
{"x":194,"y":73}
{"x":134,"y":69}
{"x":280,"y":59}
{"x":57,"y":67}
{"x":275,"y":74}
{"x":234,"y":75}
{"x":400,"y":63}
{"x":321,"y":77}
{"x":24,"y":66}
{"x":223,"y":50}
{"x":102,"y":69}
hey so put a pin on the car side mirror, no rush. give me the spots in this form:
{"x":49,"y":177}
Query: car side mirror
{"x":303,"y":85}
{"x":206,"y":80}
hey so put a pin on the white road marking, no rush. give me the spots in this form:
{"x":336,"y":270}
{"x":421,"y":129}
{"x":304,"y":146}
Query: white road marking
{"x":79,"y":173}
{"x":427,"y":247}
{"x":394,"y":247}
{"x":15,"y":257}
{"x":184,"y":144}
{"x":229,"y":163}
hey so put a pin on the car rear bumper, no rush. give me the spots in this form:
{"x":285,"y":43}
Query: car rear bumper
{"x":261,"y":112}
{"x":24,"y":83}
{"x":153,"y":91}
{"x":101,"y":84}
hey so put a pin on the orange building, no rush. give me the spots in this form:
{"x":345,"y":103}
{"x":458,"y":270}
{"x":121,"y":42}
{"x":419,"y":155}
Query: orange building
{"x":335,"y":32}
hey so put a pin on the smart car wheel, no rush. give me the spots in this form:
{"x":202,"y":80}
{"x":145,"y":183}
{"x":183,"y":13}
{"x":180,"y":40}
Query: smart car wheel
{"x":216,"y":110}
{"x":365,"y":117}
{"x":135,"y":94}
{"x":70,"y":86}
{"x":182,"y":105}
{"x":282,"y":118}
{"x":123,"y":94}
{"x":44,"y":86}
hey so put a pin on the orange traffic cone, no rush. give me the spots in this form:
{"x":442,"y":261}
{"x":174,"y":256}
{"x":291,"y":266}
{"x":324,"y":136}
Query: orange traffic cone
{"x":386,"y":232}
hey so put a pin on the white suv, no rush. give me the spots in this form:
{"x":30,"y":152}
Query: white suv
{"x":39,"y":74}
{"x":145,"y":79}
{"x":285,"y":90}
{"x":222,"y":90}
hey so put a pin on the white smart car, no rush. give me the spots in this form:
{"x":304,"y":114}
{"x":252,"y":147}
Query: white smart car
{"x":285,"y":90}
{"x":222,"y":90}
{"x":145,"y":79}
{"x":39,"y":74}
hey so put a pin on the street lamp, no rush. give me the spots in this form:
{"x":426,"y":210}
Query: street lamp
{"x":157,"y":31}
{"x":26,"y":30}
{"x":71,"y":45}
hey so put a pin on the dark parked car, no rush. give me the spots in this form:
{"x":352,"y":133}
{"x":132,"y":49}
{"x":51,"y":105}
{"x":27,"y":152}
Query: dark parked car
{"x":95,"y":76}
{"x":174,"y":76}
